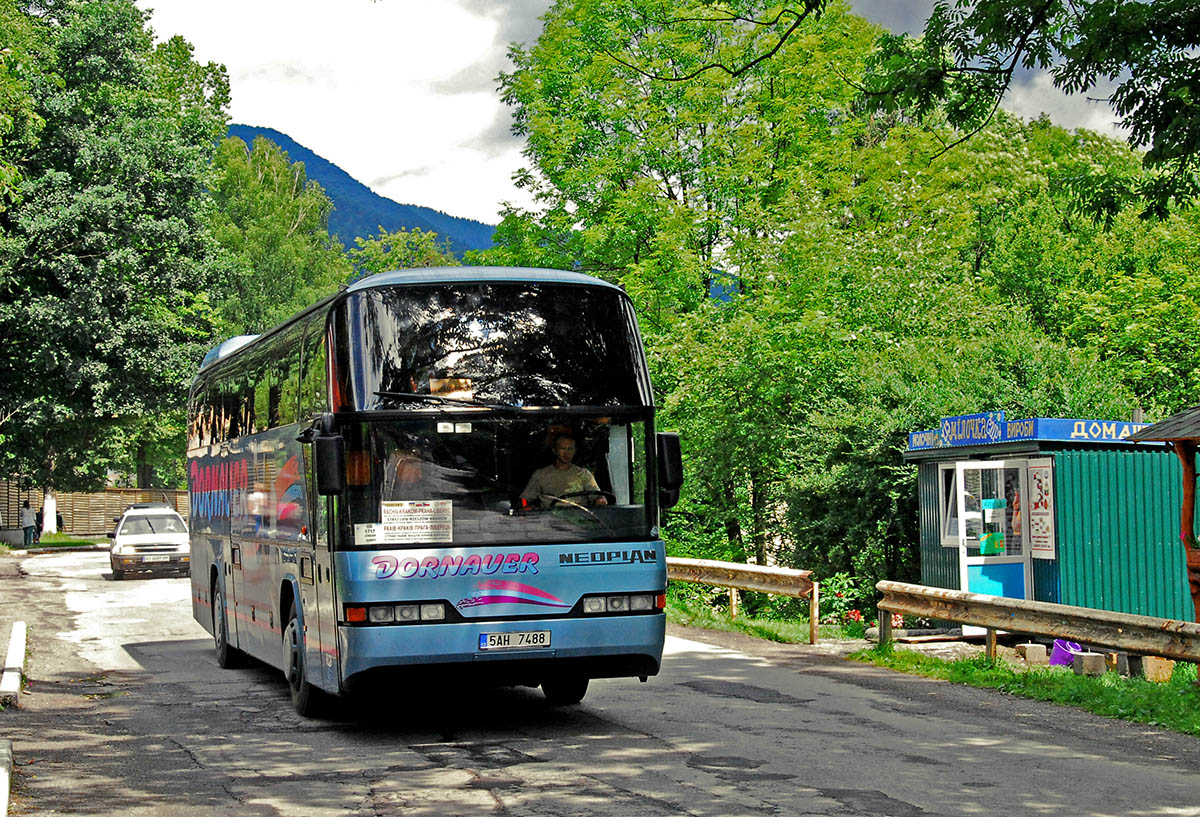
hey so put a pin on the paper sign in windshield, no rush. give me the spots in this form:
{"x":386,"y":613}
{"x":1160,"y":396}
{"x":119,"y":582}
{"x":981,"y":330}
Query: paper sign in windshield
{"x":416,"y":521}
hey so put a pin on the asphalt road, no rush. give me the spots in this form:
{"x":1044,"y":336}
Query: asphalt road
{"x":128,"y":714}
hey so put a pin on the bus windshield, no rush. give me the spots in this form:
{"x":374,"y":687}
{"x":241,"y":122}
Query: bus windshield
{"x":493,"y":343}
{"x":496,"y":479}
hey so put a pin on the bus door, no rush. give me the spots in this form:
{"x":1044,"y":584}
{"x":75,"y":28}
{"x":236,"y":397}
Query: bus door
{"x":317,"y":590}
{"x":326,"y":594}
{"x":234,"y":578}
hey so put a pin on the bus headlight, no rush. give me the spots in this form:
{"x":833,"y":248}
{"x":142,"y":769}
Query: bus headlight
{"x":433,"y":612}
{"x":381,"y":615}
{"x":633,"y":603}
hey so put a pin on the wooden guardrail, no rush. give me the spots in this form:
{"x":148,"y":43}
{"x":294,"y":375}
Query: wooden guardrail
{"x":782,"y":581}
{"x":1140,"y":635}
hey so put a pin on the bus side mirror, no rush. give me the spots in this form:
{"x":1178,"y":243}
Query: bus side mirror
{"x":670,"y":469}
{"x":329,"y":455}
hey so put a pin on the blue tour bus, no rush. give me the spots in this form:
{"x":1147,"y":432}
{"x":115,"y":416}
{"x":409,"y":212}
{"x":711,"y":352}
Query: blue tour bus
{"x":360,"y":492}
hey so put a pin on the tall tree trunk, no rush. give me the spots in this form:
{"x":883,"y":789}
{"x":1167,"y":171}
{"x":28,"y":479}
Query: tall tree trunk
{"x":49,"y":511}
{"x":758,"y":505}
{"x":145,"y":473}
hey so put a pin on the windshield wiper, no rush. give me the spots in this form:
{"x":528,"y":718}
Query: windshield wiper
{"x":439,"y":400}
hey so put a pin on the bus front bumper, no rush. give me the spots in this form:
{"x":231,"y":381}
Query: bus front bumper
{"x":602,"y":647}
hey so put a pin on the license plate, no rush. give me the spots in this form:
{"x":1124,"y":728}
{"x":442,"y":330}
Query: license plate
{"x":530,"y":640}
{"x":156,"y":558}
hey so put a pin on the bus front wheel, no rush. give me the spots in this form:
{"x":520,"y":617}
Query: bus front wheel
{"x":565,"y":691}
{"x":305,"y":697}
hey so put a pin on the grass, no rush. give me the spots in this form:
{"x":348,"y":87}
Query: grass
{"x":786,"y":632}
{"x":59,"y":540}
{"x":1174,"y":705}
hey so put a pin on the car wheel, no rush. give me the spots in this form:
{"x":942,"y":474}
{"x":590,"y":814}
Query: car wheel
{"x":118,"y":573}
{"x":228,"y":656}
{"x":565,"y":691}
{"x":308,"y":700}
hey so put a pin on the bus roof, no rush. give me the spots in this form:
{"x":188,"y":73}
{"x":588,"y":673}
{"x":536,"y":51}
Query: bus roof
{"x":443,"y":275}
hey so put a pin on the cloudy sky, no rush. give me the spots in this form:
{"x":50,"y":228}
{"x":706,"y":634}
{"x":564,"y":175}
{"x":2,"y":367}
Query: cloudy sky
{"x":401,"y":94}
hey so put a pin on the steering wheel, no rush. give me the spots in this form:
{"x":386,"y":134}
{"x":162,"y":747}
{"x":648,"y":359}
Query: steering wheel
{"x":609,"y":497}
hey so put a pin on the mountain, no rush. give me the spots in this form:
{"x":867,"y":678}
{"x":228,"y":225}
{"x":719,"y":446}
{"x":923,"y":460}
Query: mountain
{"x":359,"y":212}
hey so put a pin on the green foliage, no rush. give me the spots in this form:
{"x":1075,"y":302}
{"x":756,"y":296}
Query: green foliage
{"x":104,"y":258}
{"x":21,"y":44}
{"x":272,"y":223}
{"x":843,"y":592}
{"x":874,"y":292}
{"x":965,"y":61}
{"x":402,"y":249}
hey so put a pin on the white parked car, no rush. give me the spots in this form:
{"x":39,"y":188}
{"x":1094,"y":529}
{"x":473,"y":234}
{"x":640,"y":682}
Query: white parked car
{"x":149,"y":538}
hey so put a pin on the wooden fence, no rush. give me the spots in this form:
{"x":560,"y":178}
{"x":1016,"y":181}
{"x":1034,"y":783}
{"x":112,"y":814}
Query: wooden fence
{"x":88,"y":514}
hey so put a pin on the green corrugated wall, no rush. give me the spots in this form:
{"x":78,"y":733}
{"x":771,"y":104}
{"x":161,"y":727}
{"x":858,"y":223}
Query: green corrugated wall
{"x":939,"y":565}
{"x":1117,"y":517}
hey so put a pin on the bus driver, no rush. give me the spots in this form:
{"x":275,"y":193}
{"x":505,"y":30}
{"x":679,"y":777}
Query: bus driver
{"x":563,"y":478}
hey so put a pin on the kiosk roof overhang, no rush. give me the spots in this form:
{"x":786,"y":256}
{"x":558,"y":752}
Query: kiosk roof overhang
{"x":1182,"y":426}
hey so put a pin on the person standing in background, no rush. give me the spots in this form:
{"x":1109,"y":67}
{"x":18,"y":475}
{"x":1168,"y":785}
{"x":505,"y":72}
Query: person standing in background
{"x":28,"y":522}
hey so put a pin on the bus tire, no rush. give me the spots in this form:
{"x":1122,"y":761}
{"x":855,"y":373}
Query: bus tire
{"x":228,"y":656}
{"x":307,"y":699}
{"x":565,"y":691}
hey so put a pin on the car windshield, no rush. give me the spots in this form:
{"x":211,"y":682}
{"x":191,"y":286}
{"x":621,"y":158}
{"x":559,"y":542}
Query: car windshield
{"x":158,"y":523}
{"x":497,"y":479}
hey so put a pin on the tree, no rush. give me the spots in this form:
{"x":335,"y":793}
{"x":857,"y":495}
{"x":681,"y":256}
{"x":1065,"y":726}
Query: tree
{"x":20,"y":55}
{"x":402,"y":249}
{"x":872,"y":291}
{"x":966,"y":60}
{"x":104,"y":259}
{"x":272,"y":222}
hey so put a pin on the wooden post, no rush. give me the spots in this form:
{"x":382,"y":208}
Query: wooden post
{"x":989,"y":641}
{"x":733,"y":602}
{"x":814,"y":613}
{"x":885,"y":626}
{"x":1186,"y":451}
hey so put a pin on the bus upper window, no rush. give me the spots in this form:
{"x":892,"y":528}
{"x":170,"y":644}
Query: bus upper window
{"x":529,"y":345}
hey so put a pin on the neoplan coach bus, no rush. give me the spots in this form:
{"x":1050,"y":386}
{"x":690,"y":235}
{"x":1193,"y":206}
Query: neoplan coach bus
{"x":361,"y":500}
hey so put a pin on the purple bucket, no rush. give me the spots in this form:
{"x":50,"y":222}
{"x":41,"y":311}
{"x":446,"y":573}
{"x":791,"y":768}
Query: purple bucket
{"x":1063,"y":654}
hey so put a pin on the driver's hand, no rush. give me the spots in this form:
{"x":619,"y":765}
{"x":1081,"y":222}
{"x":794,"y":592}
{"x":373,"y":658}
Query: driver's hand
{"x":600,"y":501}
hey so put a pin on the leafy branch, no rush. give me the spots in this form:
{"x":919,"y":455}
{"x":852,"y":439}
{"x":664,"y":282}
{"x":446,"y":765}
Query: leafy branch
{"x":810,"y":8}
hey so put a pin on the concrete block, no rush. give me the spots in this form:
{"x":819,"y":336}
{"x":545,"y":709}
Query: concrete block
{"x":1088,"y":663}
{"x":1034,"y":654}
{"x":1157,"y":669}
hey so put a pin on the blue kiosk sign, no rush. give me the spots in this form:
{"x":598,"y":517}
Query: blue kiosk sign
{"x":991,"y":427}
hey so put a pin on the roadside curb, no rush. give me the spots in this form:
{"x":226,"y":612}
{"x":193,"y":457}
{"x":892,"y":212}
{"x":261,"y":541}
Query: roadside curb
{"x":71,"y":549}
{"x":14,"y":666}
{"x":5,"y":774}
{"x":10,"y":693}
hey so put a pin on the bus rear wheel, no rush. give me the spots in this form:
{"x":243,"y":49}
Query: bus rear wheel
{"x":565,"y":691}
{"x":306,"y":698}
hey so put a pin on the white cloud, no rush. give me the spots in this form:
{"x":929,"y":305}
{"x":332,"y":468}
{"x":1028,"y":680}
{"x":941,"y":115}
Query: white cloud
{"x":1037,"y":95}
{"x":397,"y":91}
